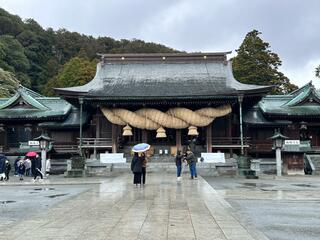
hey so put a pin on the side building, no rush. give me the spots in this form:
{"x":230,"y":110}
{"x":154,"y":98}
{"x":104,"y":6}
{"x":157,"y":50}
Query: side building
{"x":27,"y":114}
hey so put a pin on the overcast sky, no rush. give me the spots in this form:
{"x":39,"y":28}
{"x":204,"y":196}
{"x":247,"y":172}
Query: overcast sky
{"x":292,"y":27}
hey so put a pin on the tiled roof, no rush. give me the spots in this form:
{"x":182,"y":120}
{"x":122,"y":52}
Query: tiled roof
{"x":302,"y":102}
{"x":26,"y":104}
{"x":163,"y":77}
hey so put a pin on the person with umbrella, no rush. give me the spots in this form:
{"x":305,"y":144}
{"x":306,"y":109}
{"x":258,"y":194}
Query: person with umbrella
{"x":144,"y":167}
{"x":136,"y":168}
{"x":137,"y":162}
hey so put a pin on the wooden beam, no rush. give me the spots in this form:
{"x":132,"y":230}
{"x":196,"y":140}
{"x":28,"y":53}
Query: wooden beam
{"x":114,"y":138}
{"x":144,"y":136}
{"x":178,"y":139}
{"x":209,"y":138}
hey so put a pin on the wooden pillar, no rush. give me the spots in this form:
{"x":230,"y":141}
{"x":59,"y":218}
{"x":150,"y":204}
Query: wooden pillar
{"x":97,"y":134}
{"x":209,"y":138}
{"x":178,"y":139}
{"x":114,"y":138}
{"x":230,"y":133}
{"x":144,"y":136}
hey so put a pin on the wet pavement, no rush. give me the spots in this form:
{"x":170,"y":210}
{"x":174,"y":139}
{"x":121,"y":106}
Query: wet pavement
{"x":285,"y":208}
{"x":112,"y":208}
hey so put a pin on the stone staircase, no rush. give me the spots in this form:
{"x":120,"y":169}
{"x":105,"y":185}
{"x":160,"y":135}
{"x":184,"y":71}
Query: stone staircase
{"x":315,"y":159}
{"x":204,"y":169}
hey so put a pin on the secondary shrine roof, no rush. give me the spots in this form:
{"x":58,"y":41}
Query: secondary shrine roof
{"x":304,"y":102}
{"x":27,"y":104}
{"x":163,"y":76}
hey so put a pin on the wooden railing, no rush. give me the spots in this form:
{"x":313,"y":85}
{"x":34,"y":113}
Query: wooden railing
{"x":96,"y":142}
{"x":261,"y":146}
{"x":66,"y":148}
{"x":230,"y":142}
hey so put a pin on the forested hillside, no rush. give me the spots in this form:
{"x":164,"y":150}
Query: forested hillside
{"x":36,"y":56}
{"x":42,"y":59}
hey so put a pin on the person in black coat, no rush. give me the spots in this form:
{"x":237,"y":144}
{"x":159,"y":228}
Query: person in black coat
{"x":136,"y":168}
{"x":179,"y":159}
{"x":37,"y":166}
{"x":2,"y":166}
{"x":7,"y":170}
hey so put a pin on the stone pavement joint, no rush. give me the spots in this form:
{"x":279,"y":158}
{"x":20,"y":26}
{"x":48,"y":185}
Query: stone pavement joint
{"x":116,"y":209}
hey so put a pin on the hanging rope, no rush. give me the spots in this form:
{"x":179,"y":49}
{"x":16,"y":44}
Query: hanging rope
{"x":177,"y":118}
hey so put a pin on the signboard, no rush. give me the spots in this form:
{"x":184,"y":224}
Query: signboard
{"x":213,"y":157}
{"x":33,"y":143}
{"x":112,"y":158}
{"x":292,"y":142}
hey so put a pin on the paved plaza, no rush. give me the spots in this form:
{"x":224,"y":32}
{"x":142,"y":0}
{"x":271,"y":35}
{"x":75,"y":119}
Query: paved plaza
{"x":113,"y":208}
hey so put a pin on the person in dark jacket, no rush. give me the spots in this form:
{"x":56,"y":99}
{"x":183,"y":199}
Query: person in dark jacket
{"x":136,"y":168}
{"x":21,"y":169}
{"x":7,"y":170}
{"x":144,"y":167}
{"x":179,"y":158}
{"x":16,"y":165}
{"x":192,"y":162}
{"x":3,"y":159}
{"x":37,"y":166}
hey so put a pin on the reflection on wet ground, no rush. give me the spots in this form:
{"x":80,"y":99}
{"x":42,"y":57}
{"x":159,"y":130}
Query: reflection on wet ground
{"x":57,"y":195}
{"x":44,"y":189}
{"x":257,"y":185}
{"x":6,"y":202}
{"x":304,"y":185}
{"x":286,"y":208}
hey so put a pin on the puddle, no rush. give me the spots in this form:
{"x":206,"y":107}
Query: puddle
{"x":6,"y":202}
{"x":304,"y":185}
{"x":57,"y":195}
{"x":44,"y":189}
{"x":260,"y":185}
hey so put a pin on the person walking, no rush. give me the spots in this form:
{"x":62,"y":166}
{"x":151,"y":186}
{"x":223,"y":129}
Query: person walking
{"x":48,"y":166}
{"x":192,"y":161}
{"x":178,"y":159}
{"x":16,"y":165}
{"x":37,"y":166}
{"x":136,"y":168}
{"x":27,"y":163}
{"x":7,"y":170}
{"x":144,"y":167}
{"x":21,"y":169}
{"x":2,"y":166}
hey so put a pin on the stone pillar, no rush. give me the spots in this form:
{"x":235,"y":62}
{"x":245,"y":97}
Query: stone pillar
{"x":178,"y":139}
{"x":209,"y":138}
{"x":114,"y":138}
{"x":278,"y":160}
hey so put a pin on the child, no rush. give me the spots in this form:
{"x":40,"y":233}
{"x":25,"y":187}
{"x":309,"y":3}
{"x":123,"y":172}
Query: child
{"x":21,"y":170}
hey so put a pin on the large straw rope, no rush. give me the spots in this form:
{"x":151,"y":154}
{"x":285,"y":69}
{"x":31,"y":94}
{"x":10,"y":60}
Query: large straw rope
{"x":177,"y":118}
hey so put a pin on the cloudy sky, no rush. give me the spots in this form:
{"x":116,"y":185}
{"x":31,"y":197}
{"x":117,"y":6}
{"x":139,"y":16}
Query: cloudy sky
{"x":292,"y":27}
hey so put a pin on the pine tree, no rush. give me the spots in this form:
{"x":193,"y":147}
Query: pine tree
{"x":257,"y":64}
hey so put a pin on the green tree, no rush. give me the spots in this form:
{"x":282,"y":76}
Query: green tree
{"x":255,"y":63}
{"x":13,"y":58}
{"x":8,"y":83}
{"x":76,"y":72}
{"x":318,"y":71}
